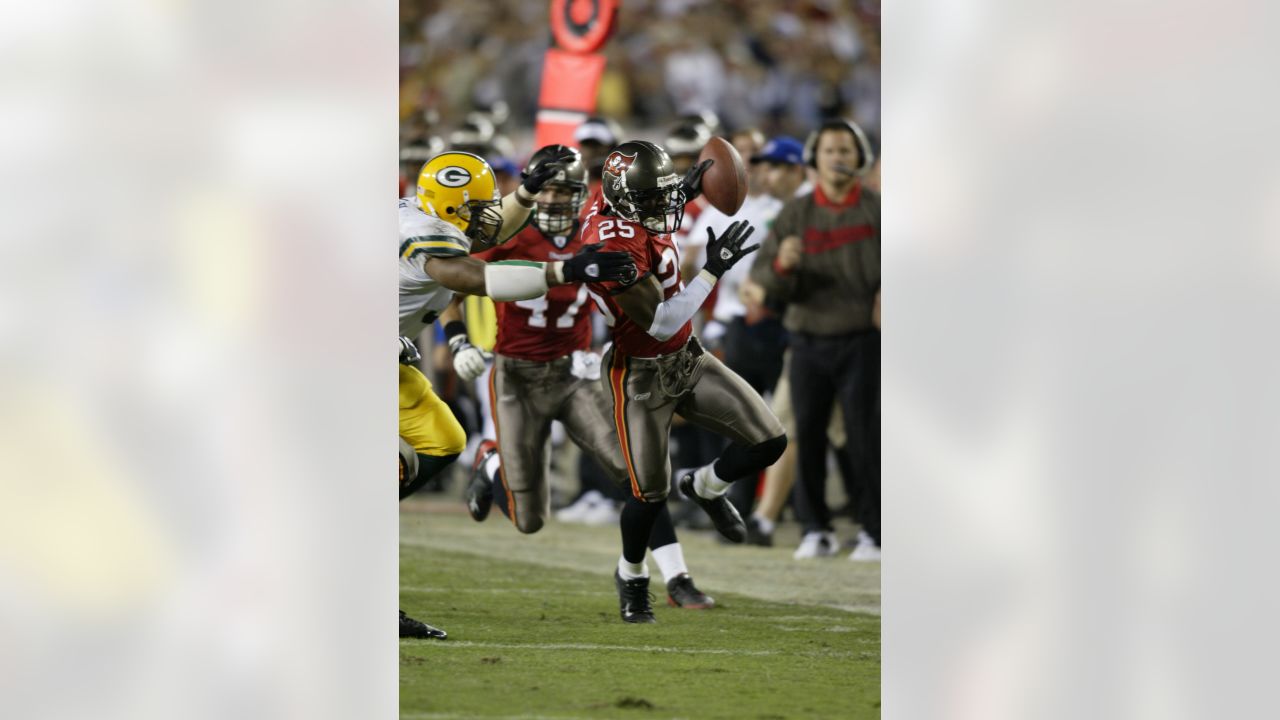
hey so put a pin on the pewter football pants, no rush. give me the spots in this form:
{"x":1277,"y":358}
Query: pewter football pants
{"x":644,"y":394}
{"x":525,"y":397}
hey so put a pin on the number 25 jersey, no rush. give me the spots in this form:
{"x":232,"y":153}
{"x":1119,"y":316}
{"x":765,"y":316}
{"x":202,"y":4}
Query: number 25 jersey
{"x":654,"y":254}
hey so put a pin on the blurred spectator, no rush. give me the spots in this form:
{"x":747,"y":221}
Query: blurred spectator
{"x":684,"y":143}
{"x":780,"y":478}
{"x":872,"y":180}
{"x":596,"y":136}
{"x":784,"y":177}
{"x":506,"y":172}
{"x":748,"y":141}
{"x":413,"y":157}
{"x":823,"y":259}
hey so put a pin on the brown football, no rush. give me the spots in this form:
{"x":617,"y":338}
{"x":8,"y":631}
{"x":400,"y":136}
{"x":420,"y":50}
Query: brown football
{"x":725,"y":182}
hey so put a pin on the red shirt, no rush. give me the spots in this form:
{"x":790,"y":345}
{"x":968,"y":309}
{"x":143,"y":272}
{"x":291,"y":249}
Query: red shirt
{"x":654,"y":254}
{"x":551,"y":326}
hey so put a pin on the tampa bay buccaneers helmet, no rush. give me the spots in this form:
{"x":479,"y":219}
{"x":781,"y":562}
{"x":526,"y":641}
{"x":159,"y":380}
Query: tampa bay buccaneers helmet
{"x":556,"y":218}
{"x":460,"y":189}
{"x":640,"y":184}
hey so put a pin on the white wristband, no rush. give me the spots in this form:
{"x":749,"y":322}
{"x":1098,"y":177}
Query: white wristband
{"x":515,"y":280}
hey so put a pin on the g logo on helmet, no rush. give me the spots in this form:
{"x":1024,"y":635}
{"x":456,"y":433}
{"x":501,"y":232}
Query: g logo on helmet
{"x":453,"y":176}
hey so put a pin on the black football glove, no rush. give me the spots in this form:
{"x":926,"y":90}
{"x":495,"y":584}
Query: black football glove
{"x":725,"y":251}
{"x":591,"y":265}
{"x":543,"y":174}
{"x":692,"y":183}
{"x":408,"y":351}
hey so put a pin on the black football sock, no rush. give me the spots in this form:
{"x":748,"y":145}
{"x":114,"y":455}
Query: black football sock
{"x":637,"y":524}
{"x":429,"y":466}
{"x":664,"y":531}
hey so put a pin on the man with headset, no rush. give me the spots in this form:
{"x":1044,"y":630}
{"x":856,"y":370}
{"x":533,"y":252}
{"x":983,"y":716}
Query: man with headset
{"x":822,"y":258}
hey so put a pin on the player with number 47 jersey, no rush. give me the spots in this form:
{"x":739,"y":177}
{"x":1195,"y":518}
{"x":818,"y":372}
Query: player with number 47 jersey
{"x":544,"y":371}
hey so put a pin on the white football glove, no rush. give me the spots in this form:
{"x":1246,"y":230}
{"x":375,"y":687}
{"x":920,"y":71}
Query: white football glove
{"x":468,"y":360}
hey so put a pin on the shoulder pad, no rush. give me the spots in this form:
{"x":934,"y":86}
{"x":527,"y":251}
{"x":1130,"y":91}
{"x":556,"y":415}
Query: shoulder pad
{"x":421,"y":233}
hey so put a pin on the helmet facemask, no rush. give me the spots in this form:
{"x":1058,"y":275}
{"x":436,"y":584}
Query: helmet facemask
{"x":484,"y":220}
{"x":659,"y":210}
{"x":556,"y":218}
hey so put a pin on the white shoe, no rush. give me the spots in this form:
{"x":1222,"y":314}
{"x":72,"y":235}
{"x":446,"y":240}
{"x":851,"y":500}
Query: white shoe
{"x":602,"y":513}
{"x":866,"y":550}
{"x":817,"y":544}
{"x":585,"y":504}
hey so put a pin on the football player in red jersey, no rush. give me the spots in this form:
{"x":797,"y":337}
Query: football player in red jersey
{"x":656,"y":368}
{"x":543,"y":371}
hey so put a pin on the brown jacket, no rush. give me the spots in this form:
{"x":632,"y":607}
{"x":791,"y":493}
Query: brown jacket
{"x":832,"y":290}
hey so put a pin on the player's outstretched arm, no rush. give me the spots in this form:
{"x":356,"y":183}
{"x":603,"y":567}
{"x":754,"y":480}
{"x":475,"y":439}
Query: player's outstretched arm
{"x":500,"y":280}
{"x":643,"y":302}
{"x":508,"y":280}
{"x":518,"y":205}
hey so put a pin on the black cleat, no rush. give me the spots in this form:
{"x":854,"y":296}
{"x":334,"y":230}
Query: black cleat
{"x":410,"y":628}
{"x":634,"y":600}
{"x":722,"y":513}
{"x":479,"y":495}
{"x":681,"y":592}
{"x":757,"y":536}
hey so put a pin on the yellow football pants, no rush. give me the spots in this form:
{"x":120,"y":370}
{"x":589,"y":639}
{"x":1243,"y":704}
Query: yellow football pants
{"x":425,"y":420}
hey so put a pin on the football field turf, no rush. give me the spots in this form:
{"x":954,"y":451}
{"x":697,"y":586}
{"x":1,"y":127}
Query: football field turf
{"x":534,"y":630}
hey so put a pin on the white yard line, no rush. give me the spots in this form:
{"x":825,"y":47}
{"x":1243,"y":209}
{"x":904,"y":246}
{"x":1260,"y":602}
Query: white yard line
{"x":461,"y":716}
{"x":450,"y":644}
{"x":503,"y":591}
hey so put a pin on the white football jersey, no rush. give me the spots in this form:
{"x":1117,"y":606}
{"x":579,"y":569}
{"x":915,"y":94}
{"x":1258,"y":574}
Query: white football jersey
{"x":422,"y":236}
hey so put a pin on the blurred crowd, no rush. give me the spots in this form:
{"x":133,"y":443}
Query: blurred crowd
{"x":764,"y":75}
{"x":780,"y":65}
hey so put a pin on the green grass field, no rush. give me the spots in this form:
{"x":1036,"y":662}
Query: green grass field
{"x":534,"y":630}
